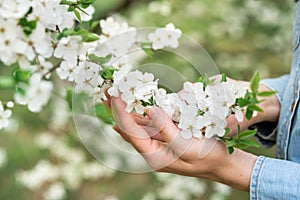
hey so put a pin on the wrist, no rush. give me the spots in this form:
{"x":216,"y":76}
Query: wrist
{"x":236,"y":170}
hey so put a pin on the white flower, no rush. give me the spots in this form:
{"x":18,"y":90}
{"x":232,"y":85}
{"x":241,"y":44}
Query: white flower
{"x":158,"y":39}
{"x":88,"y":78}
{"x":14,"y":9}
{"x":46,"y":13}
{"x":67,"y":70}
{"x":44,"y":67}
{"x":37,"y":94}
{"x":118,"y":76}
{"x":55,"y":192}
{"x":165,"y":37}
{"x":111,"y":28}
{"x":216,"y":126}
{"x":238,"y":113}
{"x":10,"y":41}
{"x":170,"y":103}
{"x":136,"y":87}
{"x":87,"y":15}
{"x":69,"y":48}
{"x":189,"y":122}
{"x":38,"y":43}
{"x":117,"y":38}
{"x":173,"y":35}
{"x":5,"y":114}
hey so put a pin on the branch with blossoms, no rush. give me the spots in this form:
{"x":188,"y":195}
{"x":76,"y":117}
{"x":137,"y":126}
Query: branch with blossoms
{"x":43,"y":37}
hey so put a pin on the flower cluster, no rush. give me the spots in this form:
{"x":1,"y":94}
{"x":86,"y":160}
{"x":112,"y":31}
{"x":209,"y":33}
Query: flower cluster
{"x":32,"y":32}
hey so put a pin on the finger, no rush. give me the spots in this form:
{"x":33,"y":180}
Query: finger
{"x":232,"y":124}
{"x":153,"y":133}
{"x":107,"y":104}
{"x":107,"y":95}
{"x":168,"y":130}
{"x":141,"y":120}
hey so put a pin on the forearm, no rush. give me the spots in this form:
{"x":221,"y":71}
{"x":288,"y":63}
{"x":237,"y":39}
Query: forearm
{"x":237,"y":170}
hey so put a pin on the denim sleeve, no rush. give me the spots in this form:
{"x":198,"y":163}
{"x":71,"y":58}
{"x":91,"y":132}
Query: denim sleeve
{"x":275,"y":179}
{"x":267,"y":131}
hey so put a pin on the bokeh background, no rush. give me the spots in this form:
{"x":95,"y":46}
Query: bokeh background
{"x":41,"y":156}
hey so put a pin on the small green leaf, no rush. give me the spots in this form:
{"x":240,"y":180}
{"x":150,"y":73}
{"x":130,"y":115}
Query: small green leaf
{"x":241,"y":102}
{"x":227,"y":130}
{"x":230,"y":150}
{"x":255,"y":108}
{"x":77,"y":14}
{"x":249,"y":143}
{"x":147,"y":48}
{"x":28,"y":26}
{"x":85,"y":35}
{"x":230,"y":143}
{"x":22,"y":75}
{"x":69,"y":98}
{"x":249,"y":113}
{"x":107,"y":73}
{"x":266,"y":93}
{"x":247,"y":134}
{"x":254,"y":84}
{"x":224,"y":78}
{"x":99,"y":60}
{"x":93,"y":25}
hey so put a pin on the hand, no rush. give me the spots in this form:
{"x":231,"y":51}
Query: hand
{"x":270,"y":106}
{"x":204,"y":158}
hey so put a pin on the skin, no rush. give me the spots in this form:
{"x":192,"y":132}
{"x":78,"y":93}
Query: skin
{"x":156,"y":137}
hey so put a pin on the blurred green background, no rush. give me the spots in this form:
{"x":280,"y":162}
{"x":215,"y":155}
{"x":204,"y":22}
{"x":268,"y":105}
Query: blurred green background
{"x":241,"y":37}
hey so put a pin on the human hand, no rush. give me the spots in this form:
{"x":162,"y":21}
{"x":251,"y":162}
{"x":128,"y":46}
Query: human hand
{"x":204,"y":158}
{"x":270,"y":106}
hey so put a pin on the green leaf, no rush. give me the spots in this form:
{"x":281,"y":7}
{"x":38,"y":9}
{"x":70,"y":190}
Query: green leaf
{"x":93,"y":25}
{"x":104,"y":114}
{"x":99,"y":60}
{"x":147,"y":48}
{"x":66,"y":2}
{"x":85,"y":35}
{"x":227,"y":130}
{"x":255,"y":107}
{"x":77,"y":14}
{"x":254,"y":84}
{"x":249,"y":143}
{"x":28,"y":26}
{"x":22,"y":75}
{"x":266,"y":93}
{"x":230,"y":150}
{"x":247,"y":134}
{"x":241,"y":102}
{"x":69,"y":98}
{"x":230,"y":143}
{"x":107,"y":73}
{"x":7,"y":82}
{"x":224,"y":78}
{"x":249,"y":113}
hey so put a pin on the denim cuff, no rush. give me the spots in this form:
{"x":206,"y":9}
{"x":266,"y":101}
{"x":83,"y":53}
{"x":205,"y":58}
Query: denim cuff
{"x":254,"y":178}
{"x":275,"y":179}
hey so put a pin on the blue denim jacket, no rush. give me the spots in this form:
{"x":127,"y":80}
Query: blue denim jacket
{"x":280,"y":178}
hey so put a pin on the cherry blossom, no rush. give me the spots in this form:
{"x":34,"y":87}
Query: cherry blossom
{"x":37,"y":94}
{"x":5,"y":114}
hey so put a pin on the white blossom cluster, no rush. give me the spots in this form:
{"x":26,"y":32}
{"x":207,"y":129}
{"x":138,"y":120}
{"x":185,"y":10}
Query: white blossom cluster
{"x":196,"y":109}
